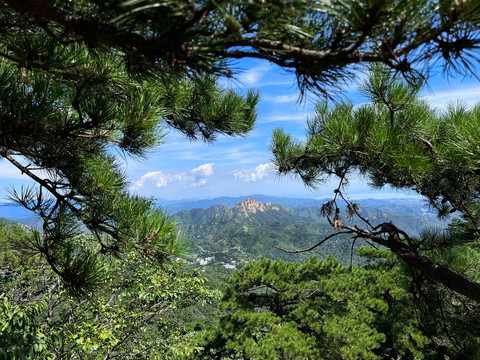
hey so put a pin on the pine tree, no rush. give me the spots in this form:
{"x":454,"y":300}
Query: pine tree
{"x":323,"y":42}
{"x":316,"y":310}
{"x":64,"y":127}
{"x":398,"y":140}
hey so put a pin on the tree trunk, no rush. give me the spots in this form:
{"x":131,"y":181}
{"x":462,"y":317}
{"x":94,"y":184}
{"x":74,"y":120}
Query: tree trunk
{"x":436,"y":272}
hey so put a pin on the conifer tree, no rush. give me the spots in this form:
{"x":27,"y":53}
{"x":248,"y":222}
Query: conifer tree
{"x":64,"y":127}
{"x":316,"y":310}
{"x":322,"y":42}
{"x":398,"y":140}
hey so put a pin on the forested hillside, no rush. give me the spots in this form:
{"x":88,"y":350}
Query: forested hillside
{"x":252,"y":230}
{"x":222,"y":239}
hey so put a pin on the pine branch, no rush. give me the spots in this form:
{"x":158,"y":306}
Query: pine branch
{"x":191,"y":44}
{"x":296,"y":251}
{"x":5,"y":153}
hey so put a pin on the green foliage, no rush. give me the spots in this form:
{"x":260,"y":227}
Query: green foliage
{"x":319,"y":309}
{"x":63,"y":125}
{"x":11,"y":234}
{"x":321,"y":42}
{"x":20,"y":338}
{"x":129,"y":313}
{"x":397,"y":140}
{"x":379,"y":310}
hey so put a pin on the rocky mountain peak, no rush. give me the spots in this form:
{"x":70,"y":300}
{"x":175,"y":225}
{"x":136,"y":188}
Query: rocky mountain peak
{"x":252,"y":206}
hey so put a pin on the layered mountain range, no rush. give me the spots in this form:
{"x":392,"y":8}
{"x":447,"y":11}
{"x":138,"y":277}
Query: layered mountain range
{"x":251,"y":229}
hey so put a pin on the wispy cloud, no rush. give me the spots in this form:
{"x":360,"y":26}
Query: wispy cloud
{"x":238,"y":84}
{"x":221,"y":153}
{"x":470,"y":96}
{"x":192,"y":178}
{"x":297,"y":117}
{"x":252,"y":76}
{"x":282,"y":99}
{"x":254,"y":175}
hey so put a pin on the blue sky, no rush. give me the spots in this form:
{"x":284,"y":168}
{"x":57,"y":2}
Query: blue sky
{"x":180,"y":169}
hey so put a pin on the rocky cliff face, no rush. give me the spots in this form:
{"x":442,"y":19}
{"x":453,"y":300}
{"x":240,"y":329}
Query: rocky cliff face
{"x":251,"y":206}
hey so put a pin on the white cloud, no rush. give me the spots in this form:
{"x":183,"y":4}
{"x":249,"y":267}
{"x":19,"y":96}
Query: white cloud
{"x":254,"y":75}
{"x":157,"y":177}
{"x":254,"y":175}
{"x":201,"y":174}
{"x":204,"y":170}
{"x":192,"y":178}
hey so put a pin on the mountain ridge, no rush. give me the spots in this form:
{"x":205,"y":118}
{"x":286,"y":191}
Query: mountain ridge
{"x":411,"y":218}
{"x":233,"y":236}
{"x":401,"y":205}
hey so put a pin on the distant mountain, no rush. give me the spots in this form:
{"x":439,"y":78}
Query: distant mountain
{"x":269,"y":220}
{"x":251,"y":229}
{"x":178,"y":205}
{"x":19,"y":214}
{"x":250,"y":210}
{"x":412,"y":206}
{"x":7,"y":222}
{"x":407,"y":206}
{"x":398,"y":206}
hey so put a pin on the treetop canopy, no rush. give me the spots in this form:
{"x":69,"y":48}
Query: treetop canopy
{"x":322,"y":42}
